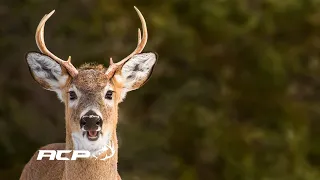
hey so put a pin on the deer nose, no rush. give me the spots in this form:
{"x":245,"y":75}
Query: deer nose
{"x":90,"y":121}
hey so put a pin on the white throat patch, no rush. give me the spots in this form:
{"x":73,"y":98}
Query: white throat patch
{"x":102,"y":144}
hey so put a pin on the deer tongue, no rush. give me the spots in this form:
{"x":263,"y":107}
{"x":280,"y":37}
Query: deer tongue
{"x":92,"y":133}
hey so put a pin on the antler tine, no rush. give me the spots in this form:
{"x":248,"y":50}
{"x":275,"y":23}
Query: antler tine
{"x":143,"y":41}
{"x":140,"y":46}
{"x":42,"y":46}
{"x":111,"y":61}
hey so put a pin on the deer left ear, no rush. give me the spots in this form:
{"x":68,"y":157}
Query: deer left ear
{"x":47,"y":72}
{"x":136,"y":71}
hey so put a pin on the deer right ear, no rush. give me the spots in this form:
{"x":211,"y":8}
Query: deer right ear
{"x":47,"y":72}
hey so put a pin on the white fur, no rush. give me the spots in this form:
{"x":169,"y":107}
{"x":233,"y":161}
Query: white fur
{"x":81,"y":142}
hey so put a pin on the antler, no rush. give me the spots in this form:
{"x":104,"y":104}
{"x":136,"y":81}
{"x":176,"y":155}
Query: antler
{"x":42,"y":46}
{"x":141,"y":44}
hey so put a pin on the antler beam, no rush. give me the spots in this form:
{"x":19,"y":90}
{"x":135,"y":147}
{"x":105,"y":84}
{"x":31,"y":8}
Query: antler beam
{"x":42,"y":46}
{"x":140,"y":46}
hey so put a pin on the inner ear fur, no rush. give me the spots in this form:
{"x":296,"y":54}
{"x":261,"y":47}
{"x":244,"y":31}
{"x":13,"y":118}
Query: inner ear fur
{"x":46,"y":71}
{"x":138,"y":70}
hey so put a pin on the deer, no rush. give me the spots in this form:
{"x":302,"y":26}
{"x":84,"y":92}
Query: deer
{"x":91,"y":95}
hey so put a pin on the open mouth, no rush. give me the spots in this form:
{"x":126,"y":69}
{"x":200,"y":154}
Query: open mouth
{"x":92,"y":135}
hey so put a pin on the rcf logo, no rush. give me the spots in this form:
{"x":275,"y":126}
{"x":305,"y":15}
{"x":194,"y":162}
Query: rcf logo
{"x":58,"y":154}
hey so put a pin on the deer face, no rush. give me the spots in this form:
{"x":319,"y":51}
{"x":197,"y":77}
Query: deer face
{"x":91,"y":94}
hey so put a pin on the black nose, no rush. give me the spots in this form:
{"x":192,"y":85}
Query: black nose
{"x":90,"y":121}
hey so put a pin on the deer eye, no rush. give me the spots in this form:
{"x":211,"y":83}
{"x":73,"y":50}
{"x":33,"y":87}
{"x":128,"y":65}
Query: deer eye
{"x":72,"y":95}
{"x":108,"y":95}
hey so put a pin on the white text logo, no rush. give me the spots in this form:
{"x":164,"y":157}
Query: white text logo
{"x":60,"y":154}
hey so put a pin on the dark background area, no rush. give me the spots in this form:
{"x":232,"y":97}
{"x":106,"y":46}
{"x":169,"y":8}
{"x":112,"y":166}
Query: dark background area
{"x":234,"y":96}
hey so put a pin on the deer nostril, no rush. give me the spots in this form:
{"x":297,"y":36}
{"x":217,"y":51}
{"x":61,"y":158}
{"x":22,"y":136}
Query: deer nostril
{"x":82,"y":122}
{"x":99,"y":122}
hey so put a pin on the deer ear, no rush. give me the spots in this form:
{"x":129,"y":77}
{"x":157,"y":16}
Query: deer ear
{"x":47,"y":72}
{"x":136,"y":71}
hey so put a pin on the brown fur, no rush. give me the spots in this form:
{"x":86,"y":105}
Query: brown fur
{"x":91,"y":80}
{"x":44,"y":169}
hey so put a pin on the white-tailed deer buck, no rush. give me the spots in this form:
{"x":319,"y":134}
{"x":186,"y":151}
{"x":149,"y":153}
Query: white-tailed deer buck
{"x":91,"y":95}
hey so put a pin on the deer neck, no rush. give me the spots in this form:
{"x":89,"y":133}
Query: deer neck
{"x":91,"y":168}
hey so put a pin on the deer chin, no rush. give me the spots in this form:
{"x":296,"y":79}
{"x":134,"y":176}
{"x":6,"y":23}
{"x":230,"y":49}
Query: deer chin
{"x":90,"y":141}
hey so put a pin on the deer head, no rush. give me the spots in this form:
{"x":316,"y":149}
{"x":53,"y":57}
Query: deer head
{"x":91,"y":93}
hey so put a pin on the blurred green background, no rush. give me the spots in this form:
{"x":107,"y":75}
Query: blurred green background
{"x":235,"y":94}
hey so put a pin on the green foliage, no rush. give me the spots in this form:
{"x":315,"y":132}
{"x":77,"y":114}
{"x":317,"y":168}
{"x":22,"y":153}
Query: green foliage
{"x":234,"y":95}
